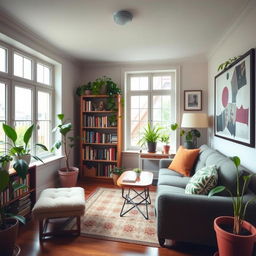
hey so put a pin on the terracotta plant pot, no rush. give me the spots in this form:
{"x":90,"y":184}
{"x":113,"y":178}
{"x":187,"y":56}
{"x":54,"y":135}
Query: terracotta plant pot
{"x":8,"y":237}
{"x":230,"y":244}
{"x":115,"y":178}
{"x":68,"y":179}
{"x":87,"y":92}
{"x":166,"y":149}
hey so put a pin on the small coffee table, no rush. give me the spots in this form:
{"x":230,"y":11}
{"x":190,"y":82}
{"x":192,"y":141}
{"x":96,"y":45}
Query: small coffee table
{"x":143,"y":183}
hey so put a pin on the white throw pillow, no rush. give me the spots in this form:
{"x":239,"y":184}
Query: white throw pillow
{"x":202,"y":181}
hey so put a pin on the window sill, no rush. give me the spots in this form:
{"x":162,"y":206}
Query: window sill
{"x":46,"y":161}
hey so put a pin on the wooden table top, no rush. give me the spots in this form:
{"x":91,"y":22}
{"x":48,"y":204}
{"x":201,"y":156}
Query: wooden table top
{"x":145,"y":180}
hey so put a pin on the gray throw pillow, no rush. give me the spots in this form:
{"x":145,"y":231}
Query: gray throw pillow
{"x":203,"y":181}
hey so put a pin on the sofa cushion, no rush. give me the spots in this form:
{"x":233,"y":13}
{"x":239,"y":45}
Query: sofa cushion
{"x":202,"y":181}
{"x":165,"y":171}
{"x":175,"y":181}
{"x":184,"y":160}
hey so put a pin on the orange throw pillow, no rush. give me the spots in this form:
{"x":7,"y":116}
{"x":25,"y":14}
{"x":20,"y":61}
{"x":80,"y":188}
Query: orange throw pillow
{"x":184,"y":160}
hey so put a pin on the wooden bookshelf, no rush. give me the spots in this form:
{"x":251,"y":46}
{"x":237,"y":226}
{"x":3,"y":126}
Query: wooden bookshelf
{"x":13,"y":201}
{"x":100,"y":148}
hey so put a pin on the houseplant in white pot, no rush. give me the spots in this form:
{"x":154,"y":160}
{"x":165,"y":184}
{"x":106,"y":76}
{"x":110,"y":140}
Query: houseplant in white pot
{"x":21,"y":150}
{"x":68,"y":175}
{"x":5,"y":162}
{"x":235,"y":236}
{"x":8,"y":221}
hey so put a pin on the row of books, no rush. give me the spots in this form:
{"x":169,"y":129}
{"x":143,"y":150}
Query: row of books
{"x":96,"y":121}
{"x":104,"y":169}
{"x":88,"y":106}
{"x":91,"y":153}
{"x":8,"y":194}
{"x":21,"y":207}
{"x":99,"y":137}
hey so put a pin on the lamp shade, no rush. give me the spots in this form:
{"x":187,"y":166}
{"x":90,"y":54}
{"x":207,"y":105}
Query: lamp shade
{"x":194,"y":120}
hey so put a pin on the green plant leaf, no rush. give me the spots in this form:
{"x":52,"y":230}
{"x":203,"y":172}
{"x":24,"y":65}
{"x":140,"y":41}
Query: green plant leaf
{"x":16,"y":186}
{"x":21,"y":167}
{"x":236,"y":160}
{"x":42,"y":146}
{"x":16,"y":150}
{"x":60,"y":116}
{"x":28,"y":134}
{"x":64,"y":129}
{"x":56,"y":145}
{"x":38,"y":159}
{"x":17,"y":217}
{"x":174,"y":126}
{"x":10,"y":132}
{"x":4,"y":180}
{"x":216,"y":190}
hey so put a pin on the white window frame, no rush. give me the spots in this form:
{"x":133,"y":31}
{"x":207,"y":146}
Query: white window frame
{"x":173,"y":92}
{"x":11,"y":81}
{"x":3,"y":46}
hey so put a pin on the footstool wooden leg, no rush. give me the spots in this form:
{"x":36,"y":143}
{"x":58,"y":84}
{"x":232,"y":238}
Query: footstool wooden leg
{"x":78,"y":221}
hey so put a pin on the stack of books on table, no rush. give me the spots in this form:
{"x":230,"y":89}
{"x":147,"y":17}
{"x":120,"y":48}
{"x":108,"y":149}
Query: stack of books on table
{"x":130,"y":177}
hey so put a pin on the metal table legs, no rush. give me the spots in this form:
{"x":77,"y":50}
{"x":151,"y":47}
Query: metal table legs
{"x":145,"y":200}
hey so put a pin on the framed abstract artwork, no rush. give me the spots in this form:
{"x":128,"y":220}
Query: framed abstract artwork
{"x":234,"y":108}
{"x":193,"y":100}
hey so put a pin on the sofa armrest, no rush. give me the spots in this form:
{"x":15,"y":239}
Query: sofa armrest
{"x":164,"y":163}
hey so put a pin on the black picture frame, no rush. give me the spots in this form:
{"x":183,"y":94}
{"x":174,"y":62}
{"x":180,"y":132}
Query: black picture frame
{"x":234,"y":101}
{"x":192,"y":100}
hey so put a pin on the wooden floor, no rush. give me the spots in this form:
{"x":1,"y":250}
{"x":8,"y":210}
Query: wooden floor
{"x":78,"y":246}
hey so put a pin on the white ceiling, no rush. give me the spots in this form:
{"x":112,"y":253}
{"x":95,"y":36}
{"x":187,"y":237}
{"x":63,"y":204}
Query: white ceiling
{"x":160,"y":30}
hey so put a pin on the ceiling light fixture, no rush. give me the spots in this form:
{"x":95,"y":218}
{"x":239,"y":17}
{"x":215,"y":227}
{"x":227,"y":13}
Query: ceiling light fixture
{"x":122,"y":17}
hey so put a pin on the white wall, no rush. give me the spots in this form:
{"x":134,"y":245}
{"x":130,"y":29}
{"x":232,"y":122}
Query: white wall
{"x":239,"y":40}
{"x":193,"y":75}
{"x":46,"y":174}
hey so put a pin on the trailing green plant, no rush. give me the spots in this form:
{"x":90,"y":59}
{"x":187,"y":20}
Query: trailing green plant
{"x":239,"y":206}
{"x":151,"y":134}
{"x":4,"y":184}
{"x":118,"y":170}
{"x":68,"y":142}
{"x":21,"y":150}
{"x":137,"y":170}
{"x":227,"y":63}
{"x":4,"y":160}
{"x":80,"y":90}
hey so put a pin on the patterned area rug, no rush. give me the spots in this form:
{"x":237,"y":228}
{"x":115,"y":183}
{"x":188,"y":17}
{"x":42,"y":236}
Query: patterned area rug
{"x":102,"y":219}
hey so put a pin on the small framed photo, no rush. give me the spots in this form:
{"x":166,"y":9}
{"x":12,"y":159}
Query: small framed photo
{"x":193,"y":100}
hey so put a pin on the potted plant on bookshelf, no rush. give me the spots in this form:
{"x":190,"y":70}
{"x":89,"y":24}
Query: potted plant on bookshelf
{"x":68,"y":175}
{"x":116,"y":172}
{"x":137,"y":171}
{"x":5,"y":162}
{"x":112,"y":120}
{"x":85,"y":89}
{"x":19,"y":147}
{"x":150,"y":136}
{"x":8,"y":221}
{"x":235,"y":236}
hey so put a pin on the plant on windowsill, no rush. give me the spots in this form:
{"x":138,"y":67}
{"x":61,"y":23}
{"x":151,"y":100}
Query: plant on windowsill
{"x":68,"y":175}
{"x":8,"y":221}
{"x":234,"y":234}
{"x":21,"y":151}
{"x":150,"y":136}
{"x":116,"y":172}
{"x":5,"y":161}
{"x":166,"y":140}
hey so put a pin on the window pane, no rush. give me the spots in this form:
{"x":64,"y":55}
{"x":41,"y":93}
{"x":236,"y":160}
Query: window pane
{"x":43,"y":106}
{"x":139,"y":83}
{"x":3,"y":57}
{"x":161,"y":82}
{"x":27,"y":68}
{"x":23,"y":103}
{"x":40,"y":73}
{"x":46,"y":75}
{"x":43,"y":134}
{"x":161,"y":109}
{"x":18,"y":65}
{"x":2,"y":101}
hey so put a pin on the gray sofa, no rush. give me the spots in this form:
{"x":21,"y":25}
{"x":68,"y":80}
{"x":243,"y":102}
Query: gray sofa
{"x":189,"y":218}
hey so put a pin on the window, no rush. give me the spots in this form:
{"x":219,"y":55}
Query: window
{"x":22,"y":66}
{"x":3,"y":59}
{"x":29,"y":100}
{"x":150,"y":98}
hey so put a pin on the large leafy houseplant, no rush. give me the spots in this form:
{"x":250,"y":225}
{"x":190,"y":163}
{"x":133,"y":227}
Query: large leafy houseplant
{"x":18,"y":150}
{"x":150,"y":136}
{"x":239,"y":206}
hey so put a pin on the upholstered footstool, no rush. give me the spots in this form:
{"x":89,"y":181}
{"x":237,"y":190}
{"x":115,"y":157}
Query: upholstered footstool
{"x":59,"y":203}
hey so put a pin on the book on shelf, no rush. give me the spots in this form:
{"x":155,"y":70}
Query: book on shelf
{"x":130,"y":177}
{"x":99,"y":137}
{"x":92,"y":153}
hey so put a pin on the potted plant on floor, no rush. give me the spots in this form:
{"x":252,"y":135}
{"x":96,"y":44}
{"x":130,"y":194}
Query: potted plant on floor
{"x":150,"y":136}
{"x":17,"y":150}
{"x":8,"y":221}
{"x":116,"y":172}
{"x":68,"y":175}
{"x":235,"y":236}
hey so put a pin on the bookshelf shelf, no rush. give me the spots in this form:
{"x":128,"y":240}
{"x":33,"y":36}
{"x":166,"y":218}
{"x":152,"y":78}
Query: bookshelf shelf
{"x":99,"y":150}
